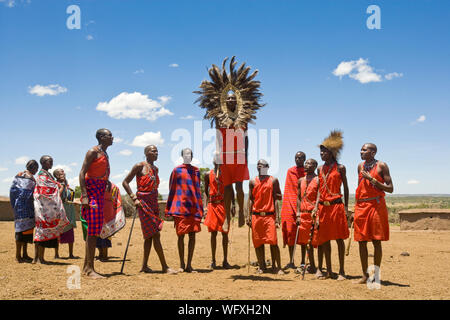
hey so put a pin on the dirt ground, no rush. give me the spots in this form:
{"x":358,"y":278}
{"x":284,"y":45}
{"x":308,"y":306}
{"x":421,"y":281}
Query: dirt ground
{"x":421,"y":275}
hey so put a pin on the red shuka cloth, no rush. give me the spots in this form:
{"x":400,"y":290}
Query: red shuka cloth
{"x":371,"y":217}
{"x":263,"y":228}
{"x":234,"y":163}
{"x":99,"y":169}
{"x":216,"y":211}
{"x":289,"y":206}
{"x":309,"y":197}
{"x":263,"y":195}
{"x":332,"y":219}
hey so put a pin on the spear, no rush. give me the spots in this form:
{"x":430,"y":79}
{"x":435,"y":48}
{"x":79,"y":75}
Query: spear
{"x":128,"y":243}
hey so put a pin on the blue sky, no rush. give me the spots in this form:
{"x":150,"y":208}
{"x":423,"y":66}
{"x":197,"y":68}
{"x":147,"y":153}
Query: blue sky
{"x":320,"y":68}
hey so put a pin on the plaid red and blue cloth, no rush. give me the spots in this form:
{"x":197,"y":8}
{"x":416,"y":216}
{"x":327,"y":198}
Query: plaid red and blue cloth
{"x":185,"y":199}
{"x":151,"y":223}
{"x":94,"y":215}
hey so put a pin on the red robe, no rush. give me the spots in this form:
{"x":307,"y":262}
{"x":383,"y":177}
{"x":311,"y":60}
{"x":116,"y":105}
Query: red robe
{"x":263,"y":228}
{"x":332,"y":218}
{"x":234,"y":163}
{"x":309,"y":198}
{"x":371,"y":217}
{"x":289,"y":206}
{"x":216,"y":209}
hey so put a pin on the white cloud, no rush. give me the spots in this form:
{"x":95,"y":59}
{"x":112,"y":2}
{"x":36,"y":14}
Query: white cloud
{"x":421,"y":119}
{"x":188,"y":117}
{"x":139,"y":71}
{"x":51,"y":90}
{"x":164,"y":99}
{"x":413,"y":181}
{"x":9,"y":3}
{"x":73,"y":164}
{"x":195,"y":161}
{"x":22,"y":160}
{"x":174,"y":65}
{"x":89,"y":37}
{"x":361,"y":71}
{"x":135,"y":106}
{"x":148,"y":138}
{"x":3,"y":169}
{"x":126,"y":152}
{"x":118,"y":140}
{"x":393,"y":75}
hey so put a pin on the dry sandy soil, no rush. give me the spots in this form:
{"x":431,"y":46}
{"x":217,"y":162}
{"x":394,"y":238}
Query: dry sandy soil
{"x":422,"y":275}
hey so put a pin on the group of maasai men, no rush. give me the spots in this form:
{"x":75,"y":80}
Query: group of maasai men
{"x":314,"y":212}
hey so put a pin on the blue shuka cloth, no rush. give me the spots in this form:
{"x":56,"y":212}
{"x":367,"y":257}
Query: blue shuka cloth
{"x":21,"y":198}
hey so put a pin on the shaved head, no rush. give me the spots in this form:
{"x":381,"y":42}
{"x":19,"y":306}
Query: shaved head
{"x":101,"y":132}
{"x":57,"y":171}
{"x":186,"y":150}
{"x":371,"y":146}
{"x":300,"y":154}
{"x":44,"y":158}
{"x":147,"y":148}
{"x":264,"y":163}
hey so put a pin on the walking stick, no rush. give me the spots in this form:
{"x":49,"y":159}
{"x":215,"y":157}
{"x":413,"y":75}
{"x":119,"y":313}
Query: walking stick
{"x":128,"y":243}
{"x":295,"y":244}
{"x":230,"y":238}
{"x":248,"y":265}
{"x":349,"y":241}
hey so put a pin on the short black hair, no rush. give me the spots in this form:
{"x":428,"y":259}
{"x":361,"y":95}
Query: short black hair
{"x":302,"y":154}
{"x":148,"y":147}
{"x":43,"y":158}
{"x":100,"y":133}
{"x":32,"y":164}
{"x":264,"y":162}
{"x":185,"y":149}
{"x":313,"y":161}
{"x":371,"y":146}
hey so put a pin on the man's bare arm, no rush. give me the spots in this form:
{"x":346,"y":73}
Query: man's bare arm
{"x":387,"y":186}
{"x":299,"y":200}
{"x":130,"y":176}
{"x":343,"y":172}
{"x":206,"y":183}
{"x":90,"y":156}
{"x":277,"y":196}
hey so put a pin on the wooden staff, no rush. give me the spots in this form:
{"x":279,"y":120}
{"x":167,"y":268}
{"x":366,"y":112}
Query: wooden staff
{"x":349,"y":241}
{"x":295,"y":243}
{"x":248,"y":265}
{"x":128,"y":243}
{"x":230,"y":238}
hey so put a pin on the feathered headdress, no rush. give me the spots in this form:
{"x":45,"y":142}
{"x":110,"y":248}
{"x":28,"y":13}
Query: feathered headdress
{"x":214,"y":94}
{"x":334,"y":142}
